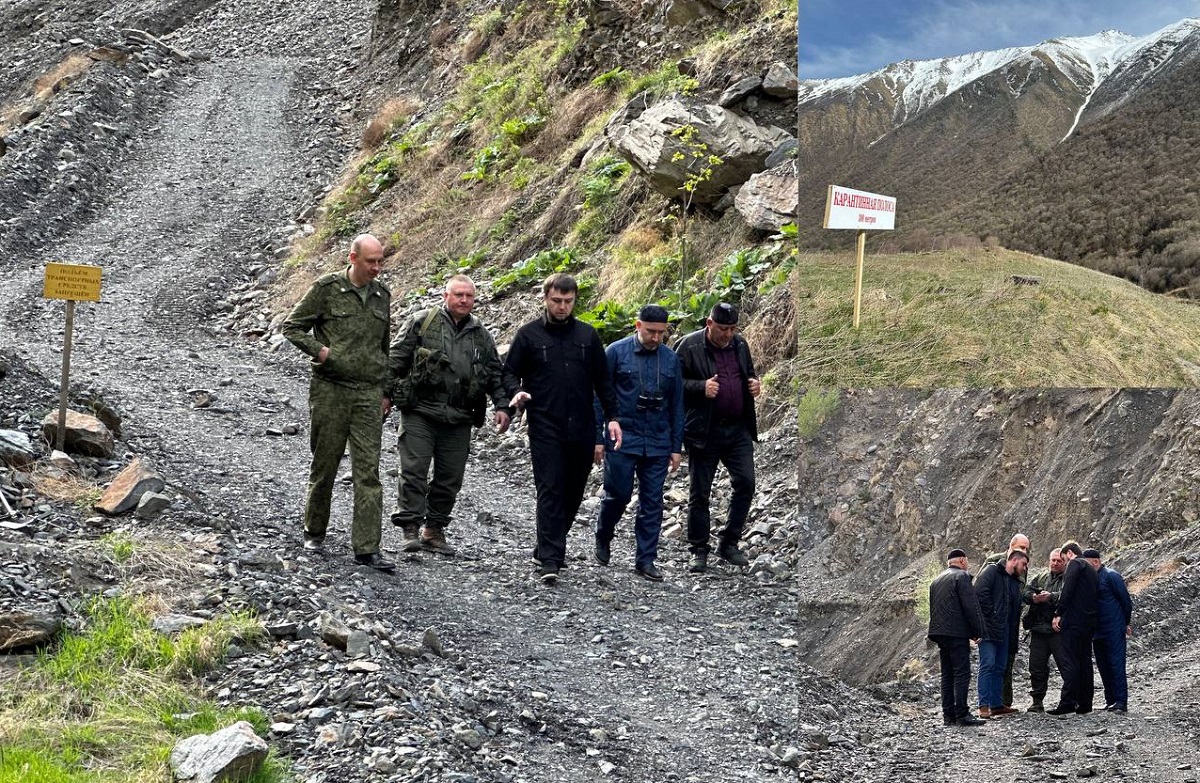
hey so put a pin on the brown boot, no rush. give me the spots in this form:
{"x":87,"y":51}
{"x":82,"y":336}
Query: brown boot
{"x":434,"y":539}
{"x":412,"y":538}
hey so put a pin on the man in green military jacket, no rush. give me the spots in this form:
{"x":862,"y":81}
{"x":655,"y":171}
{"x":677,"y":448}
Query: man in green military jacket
{"x":343,"y":323}
{"x":441,"y":368}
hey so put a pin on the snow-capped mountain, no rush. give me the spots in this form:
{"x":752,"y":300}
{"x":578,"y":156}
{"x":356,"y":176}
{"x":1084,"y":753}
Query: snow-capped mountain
{"x":1083,"y":149}
{"x":912,"y":87}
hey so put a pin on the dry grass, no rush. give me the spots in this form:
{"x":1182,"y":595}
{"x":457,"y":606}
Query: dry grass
{"x":50,"y":482}
{"x":957,"y":318}
{"x":395,"y":112}
{"x":567,"y":121}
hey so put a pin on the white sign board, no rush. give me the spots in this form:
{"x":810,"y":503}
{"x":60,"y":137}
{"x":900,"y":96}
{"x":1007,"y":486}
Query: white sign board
{"x":846,"y":208}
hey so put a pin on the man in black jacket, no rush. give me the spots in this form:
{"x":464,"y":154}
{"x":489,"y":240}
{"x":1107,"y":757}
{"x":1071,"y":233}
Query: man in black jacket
{"x":999,"y":592}
{"x":554,"y":367}
{"x":719,"y":387}
{"x":954,"y":622}
{"x":1075,"y":620}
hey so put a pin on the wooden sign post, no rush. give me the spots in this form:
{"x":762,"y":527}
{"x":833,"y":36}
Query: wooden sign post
{"x":74,"y":283}
{"x":859,"y":210}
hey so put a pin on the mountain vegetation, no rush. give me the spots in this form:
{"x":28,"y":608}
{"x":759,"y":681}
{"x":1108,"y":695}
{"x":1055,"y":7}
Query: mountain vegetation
{"x":500,"y":168}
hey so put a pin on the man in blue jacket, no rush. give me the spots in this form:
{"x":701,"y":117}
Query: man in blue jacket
{"x":649,"y":388}
{"x":998,"y":588}
{"x":1114,"y":611}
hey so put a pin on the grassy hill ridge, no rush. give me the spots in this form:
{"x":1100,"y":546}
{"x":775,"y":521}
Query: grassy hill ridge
{"x":987,"y":317}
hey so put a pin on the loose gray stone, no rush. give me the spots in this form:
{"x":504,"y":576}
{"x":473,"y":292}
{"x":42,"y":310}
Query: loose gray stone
{"x":233,"y":753}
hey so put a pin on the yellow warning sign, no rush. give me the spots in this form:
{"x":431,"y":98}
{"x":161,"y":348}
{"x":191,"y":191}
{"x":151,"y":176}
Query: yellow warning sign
{"x":78,"y":282}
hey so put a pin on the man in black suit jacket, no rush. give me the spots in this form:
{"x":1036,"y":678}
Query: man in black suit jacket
{"x":1075,"y":620}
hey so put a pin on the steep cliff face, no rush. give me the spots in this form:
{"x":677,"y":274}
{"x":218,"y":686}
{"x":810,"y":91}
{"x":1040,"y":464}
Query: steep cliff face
{"x":896,"y":478}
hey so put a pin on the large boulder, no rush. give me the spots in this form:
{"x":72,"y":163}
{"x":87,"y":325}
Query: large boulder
{"x":233,"y":753}
{"x":671,"y":142}
{"x":770,"y":198}
{"x":86,"y":434}
{"x":127,"y":488}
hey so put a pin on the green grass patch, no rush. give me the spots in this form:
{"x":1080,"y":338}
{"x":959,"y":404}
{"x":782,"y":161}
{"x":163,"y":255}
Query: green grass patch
{"x":815,"y":408}
{"x":110,"y":701}
{"x":977,"y":318}
{"x":921,"y":592}
{"x":665,"y":81}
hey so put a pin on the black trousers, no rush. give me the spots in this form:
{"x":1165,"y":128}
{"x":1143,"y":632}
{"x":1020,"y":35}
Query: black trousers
{"x":1075,"y":667}
{"x":1042,"y":646}
{"x":560,"y":474}
{"x":955,"y":655}
{"x":730,"y":445}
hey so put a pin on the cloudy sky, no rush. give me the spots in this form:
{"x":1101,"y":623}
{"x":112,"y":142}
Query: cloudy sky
{"x":841,"y":38}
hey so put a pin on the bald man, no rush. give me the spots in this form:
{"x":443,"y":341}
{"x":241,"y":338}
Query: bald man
{"x":343,"y":323}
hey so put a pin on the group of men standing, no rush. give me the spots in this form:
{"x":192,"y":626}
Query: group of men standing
{"x":1077,"y":607}
{"x":631,"y":406}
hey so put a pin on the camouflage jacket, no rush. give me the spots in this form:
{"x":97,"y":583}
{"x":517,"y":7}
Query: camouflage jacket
{"x":444,"y":371}
{"x":333,"y":314}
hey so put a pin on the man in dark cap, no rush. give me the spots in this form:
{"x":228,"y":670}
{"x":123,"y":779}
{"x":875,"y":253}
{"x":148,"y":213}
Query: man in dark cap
{"x":649,"y":389}
{"x":719,"y":387}
{"x":954,"y":622}
{"x":1113,"y":617}
{"x":1075,"y":620}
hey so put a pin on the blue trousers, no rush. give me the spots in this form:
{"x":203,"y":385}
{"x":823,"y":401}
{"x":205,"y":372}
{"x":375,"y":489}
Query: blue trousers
{"x":1110,"y":660}
{"x":993,"y":658}
{"x":619,"y":472}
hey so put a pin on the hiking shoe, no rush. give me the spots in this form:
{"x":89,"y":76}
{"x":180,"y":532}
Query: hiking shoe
{"x":698,"y":564}
{"x":412,"y":537}
{"x":314,"y":543}
{"x":434,"y":539}
{"x":1061,"y":709}
{"x":970,"y":720}
{"x":732,"y":555}
{"x":549,"y":575}
{"x":649,"y":571}
{"x":602,"y":552}
{"x":374,"y":560}
{"x":1037,"y":706}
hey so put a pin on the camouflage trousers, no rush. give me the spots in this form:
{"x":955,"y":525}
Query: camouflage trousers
{"x":424,"y":440}
{"x":343,"y":415}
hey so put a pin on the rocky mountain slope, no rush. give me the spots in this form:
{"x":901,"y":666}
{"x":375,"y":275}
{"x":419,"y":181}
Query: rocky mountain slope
{"x":1023,"y":145}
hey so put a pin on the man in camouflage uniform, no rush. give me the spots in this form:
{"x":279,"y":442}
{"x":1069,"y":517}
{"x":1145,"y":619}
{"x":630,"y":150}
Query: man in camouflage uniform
{"x":441,"y":368}
{"x":343,"y":323}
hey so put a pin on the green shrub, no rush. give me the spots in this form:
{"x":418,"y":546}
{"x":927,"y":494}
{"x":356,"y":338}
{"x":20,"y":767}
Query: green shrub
{"x":814,"y":409}
{"x":616,"y":78}
{"x":535,"y":268}
{"x":665,"y":81}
